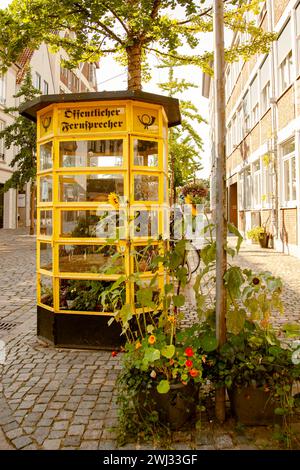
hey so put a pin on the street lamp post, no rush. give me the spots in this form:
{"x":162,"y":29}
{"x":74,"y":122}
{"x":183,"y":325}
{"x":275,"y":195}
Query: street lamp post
{"x":221,"y":216}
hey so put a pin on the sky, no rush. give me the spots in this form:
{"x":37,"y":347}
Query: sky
{"x":112,"y":76}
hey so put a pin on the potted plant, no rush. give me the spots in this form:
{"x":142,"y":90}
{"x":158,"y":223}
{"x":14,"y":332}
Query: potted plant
{"x":172,"y":371}
{"x":260,"y":235}
{"x":195,"y":193}
{"x":258,"y":371}
{"x":162,"y":367}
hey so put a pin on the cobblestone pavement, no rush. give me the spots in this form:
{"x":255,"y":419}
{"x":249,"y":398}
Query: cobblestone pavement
{"x":65,"y":399}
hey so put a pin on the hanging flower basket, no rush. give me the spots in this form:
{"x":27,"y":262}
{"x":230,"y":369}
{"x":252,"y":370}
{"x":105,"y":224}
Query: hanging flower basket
{"x":195,"y":193}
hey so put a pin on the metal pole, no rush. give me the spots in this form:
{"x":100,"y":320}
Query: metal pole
{"x":221,"y":216}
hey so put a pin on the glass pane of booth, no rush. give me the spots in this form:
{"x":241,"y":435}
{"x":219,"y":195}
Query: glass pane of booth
{"x":145,"y":188}
{"x":91,"y":153}
{"x":94,"y":187}
{"x":46,"y":156}
{"x":146,"y":224}
{"x":145,"y":153}
{"x":90,"y":295}
{"x":46,"y":223}
{"x":46,"y":290}
{"x":144,"y":257}
{"x":104,"y":259}
{"x":88,"y":224}
{"x":46,"y":189}
{"x":46,"y":256}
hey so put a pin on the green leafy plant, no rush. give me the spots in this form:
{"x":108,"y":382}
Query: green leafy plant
{"x":256,"y":358}
{"x":90,"y":295}
{"x":257,"y":233}
{"x":167,"y":361}
{"x":158,"y":357}
{"x":46,"y":295}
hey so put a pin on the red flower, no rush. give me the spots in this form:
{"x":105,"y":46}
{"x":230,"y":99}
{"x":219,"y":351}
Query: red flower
{"x":194,"y":373}
{"x":188,"y":363}
{"x":114,"y":353}
{"x":189,"y":352}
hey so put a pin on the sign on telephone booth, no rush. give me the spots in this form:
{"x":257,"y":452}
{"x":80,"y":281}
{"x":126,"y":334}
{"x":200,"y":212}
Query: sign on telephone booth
{"x":102,"y":194}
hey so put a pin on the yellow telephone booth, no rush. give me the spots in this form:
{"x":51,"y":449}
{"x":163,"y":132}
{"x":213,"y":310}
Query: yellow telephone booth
{"x":102,"y":194}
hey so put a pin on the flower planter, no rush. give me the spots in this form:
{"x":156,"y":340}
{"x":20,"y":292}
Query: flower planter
{"x":264,"y":240}
{"x":253,"y":406}
{"x":177,"y":406}
{"x":174,"y":408}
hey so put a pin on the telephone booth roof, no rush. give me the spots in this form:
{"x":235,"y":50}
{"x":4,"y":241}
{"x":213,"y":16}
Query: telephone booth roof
{"x":171,"y":105}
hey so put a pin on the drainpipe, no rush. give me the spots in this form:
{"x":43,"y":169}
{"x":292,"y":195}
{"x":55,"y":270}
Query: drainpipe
{"x":274,"y":150}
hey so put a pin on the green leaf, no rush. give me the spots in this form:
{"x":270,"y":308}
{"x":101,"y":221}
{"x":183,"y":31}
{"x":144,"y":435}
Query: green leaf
{"x":152,"y":355}
{"x":125,"y":313}
{"x":175,"y":260}
{"x":209,"y":342}
{"x":234,"y":280}
{"x":235,"y":320}
{"x":270,"y":339}
{"x":180,"y":248}
{"x":208,"y":253}
{"x":168,"y":351}
{"x":178,"y":300}
{"x":291,"y":329}
{"x":228,"y":382}
{"x":181,"y":274}
{"x":144,"y":296}
{"x":163,"y":386}
{"x":255,"y":341}
{"x":117,"y":282}
{"x":169,"y":288}
{"x":232,"y":229}
{"x":230,"y":251}
{"x":280,"y":411}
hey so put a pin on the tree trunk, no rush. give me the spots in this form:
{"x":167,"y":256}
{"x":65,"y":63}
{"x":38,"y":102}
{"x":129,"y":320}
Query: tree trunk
{"x":32,"y":207}
{"x":134,"y":58}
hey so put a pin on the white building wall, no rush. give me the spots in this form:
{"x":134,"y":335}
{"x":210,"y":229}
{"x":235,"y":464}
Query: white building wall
{"x":9,"y":215}
{"x":40,"y":63}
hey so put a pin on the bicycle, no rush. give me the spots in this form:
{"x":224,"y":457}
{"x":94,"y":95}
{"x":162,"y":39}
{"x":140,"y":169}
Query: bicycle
{"x":192,"y":255}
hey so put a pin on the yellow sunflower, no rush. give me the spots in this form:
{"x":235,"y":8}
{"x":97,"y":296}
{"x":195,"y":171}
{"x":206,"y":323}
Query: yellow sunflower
{"x":113,"y":199}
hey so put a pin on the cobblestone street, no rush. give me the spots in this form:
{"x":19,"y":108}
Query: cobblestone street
{"x":65,"y":399}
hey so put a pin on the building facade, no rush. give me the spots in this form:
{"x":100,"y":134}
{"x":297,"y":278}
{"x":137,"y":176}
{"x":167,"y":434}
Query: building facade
{"x":49,"y":77}
{"x":263,"y":130}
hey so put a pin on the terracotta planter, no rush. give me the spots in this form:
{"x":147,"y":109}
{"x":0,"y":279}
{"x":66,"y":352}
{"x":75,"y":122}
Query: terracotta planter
{"x":253,"y":406}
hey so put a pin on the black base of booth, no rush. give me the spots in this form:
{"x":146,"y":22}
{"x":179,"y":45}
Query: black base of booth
{"x":78,"y":331}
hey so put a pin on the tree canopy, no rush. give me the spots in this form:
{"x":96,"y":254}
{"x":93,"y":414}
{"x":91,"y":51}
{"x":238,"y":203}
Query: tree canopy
{"x":129,"y":29}
{"x":21,"y":135}
{"x":185,"y":143}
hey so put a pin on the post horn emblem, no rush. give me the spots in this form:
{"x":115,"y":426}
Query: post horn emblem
{"x":46,"y":121}
{"x":146,"y":120}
